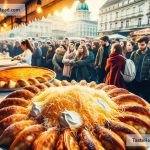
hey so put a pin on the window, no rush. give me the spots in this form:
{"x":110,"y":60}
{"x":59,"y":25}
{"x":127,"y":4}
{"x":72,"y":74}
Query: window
{"x":127,"y":23}
{"x":139,"y":21}
{"x":133,"y":9}
{"x":148,"y":19}
{"x":110,"y":25}
{"x":105,"y":26}
{"x":122,"y":24}
{"x":117,"y":14}
{"x":116,"y":25}
{"x":141,"y":8}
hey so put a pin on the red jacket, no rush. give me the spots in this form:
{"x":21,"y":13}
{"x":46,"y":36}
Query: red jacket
{"x":115,"y":64}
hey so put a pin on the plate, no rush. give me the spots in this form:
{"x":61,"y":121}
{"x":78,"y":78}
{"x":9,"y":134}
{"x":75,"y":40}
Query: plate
{"x":23,"y":68}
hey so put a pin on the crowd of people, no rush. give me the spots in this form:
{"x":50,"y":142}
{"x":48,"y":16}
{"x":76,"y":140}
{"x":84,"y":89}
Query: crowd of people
{"x":100,"y":61}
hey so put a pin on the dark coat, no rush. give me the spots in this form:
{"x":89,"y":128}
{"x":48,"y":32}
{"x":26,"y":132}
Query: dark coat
{"x":145,"y":68}
{"x":81,"y":69}
{"x":115,"y":64}
{"x":17,"y":51}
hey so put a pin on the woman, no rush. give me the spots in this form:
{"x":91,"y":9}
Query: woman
{"x":26,"y":56}
{"x":123,"y":45}
{"x":49,"y":56}
{"x":95,"y":47}
{"x":130,"y":49}
{"x":115,"y":64}
{"x":57,"y":62}
{"x":81,"y":66}
{"x":68,"y":61}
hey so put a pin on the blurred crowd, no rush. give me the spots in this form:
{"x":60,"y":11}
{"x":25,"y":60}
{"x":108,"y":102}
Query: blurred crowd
{"x":100,"y":61}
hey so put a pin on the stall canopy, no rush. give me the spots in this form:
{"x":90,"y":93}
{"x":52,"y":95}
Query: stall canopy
{"x":48,"y":7}
{"x":143,"y":32}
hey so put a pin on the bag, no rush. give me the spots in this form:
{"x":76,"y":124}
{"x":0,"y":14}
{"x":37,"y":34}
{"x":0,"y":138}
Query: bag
{"x":129,"y":72}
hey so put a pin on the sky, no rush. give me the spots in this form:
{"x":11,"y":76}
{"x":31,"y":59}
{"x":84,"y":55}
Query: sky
{"x":94,"y":6}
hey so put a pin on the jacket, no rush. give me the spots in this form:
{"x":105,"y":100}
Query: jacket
{"x":68,"y":61}
{"x":115,"y":64}
{"x":145,"y":68}
{"x":81,"y":70}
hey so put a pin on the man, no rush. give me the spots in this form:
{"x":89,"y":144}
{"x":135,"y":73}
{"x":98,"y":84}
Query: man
{"x":101,"y":58}
{"x":44,"y":49}
{"x":36,"y":57}
{"x":141,"y":58}
{"x":17,"y":49}
{"x":82,"y":42}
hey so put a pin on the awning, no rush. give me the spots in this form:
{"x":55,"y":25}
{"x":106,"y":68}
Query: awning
{"x":48,"y":7}
{"x":143,"y":31}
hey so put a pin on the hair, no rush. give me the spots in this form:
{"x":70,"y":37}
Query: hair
{"x":84,"y":54}
{"x":28,"y":45}
{"x":96,"y":44}
{"x":105,"y":38}
{"x":125,"y":44}
{"x":64,"y":46}
{"x":143,"y":39}
{"x":131,"y":42}
{"x":117,"y":48}
{"x":77,"y":45}
{"x":53,"y":47}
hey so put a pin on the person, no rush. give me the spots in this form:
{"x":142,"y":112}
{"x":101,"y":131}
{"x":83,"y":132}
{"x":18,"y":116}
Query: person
{"x":101,"y":58}
{"x":44,"y":49}
{"x":49,"y":56}
{"x":28,"y":50}
{"x":130,"y":49}
{"x":36,"y":57}
{"x":68,"y":61}
{"x":123,"y":44}
{"x":115,"y":64}
{"x":80,"y":70}
{"x":95,"y":47}
{"x":66,"y":42}
{"x":141,"y":58}
{"x":82,"y":42}
{"x":57,"y":62}
{"x":91,"y":64}
{"x":149,"y":44}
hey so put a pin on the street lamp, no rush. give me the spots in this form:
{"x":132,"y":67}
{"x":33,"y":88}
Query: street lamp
{"x":39,"y":6}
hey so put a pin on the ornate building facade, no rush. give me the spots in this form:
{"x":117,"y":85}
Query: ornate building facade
{"x":124,"y":16}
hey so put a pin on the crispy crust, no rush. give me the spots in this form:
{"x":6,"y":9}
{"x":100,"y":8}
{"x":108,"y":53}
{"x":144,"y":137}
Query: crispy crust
{"x":26,"y":137}
{"x":142,"y":125}
{"x":130,"y":99}
{"x":137,"y":109}
{"x":122,"y":129}
{"x":88,"y":141}
{"x":42,"y":87}
{"x":41,"y":79}
{"x":108,"y":88}
{"x":65,"y":83}
{"x":109,"y":139}
{"x":21,"y":94}
{"x":117,"y":91}
{"x":10,"y":132}
{"x":10,"y":110}
{"x":33,"y":89}
{"x":48,"y":76}
{"x":46,"y":140}
{"x":14,"y":101}
{"x":33,"y":81}
{"x":22,"y":83}
{"x":92,"y":84}
{"x":67,"y":141}
{"x":10,"y":120}
{"x":100,"y":86}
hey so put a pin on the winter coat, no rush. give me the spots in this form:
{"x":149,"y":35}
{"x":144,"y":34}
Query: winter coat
{"x":37,"y":53}
{"x":145,"y":68}
{"x":49,"y":58}
{"x":57,"y":61}
{"x":115,"y":64}
{"x":17,"y":51}
{"x":68,"y":61}
{"x":81,"y":69}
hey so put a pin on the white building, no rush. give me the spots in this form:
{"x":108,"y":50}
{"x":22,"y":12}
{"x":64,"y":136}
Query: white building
{"x":82,"y":25}
{"x":124,"y":16}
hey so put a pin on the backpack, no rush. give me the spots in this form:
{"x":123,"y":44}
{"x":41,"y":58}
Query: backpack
{"x":129,"y":71}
